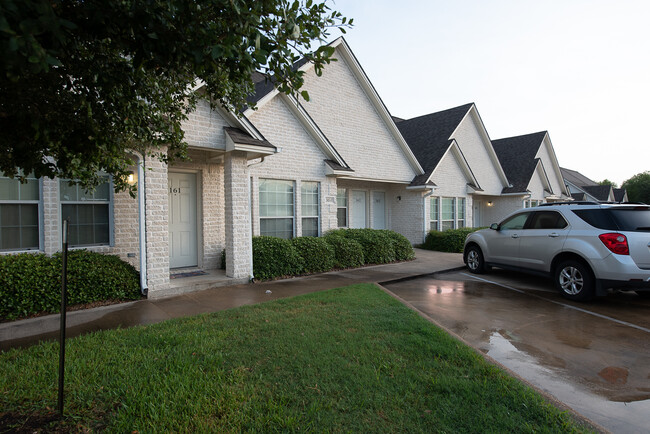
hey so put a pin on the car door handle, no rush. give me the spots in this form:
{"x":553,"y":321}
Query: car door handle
{"x":515,"y":236}
{"x":554,"y":235}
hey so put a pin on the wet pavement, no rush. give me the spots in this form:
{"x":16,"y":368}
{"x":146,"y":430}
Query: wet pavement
{"x":31,"y":331}
{"x":594,"y":357}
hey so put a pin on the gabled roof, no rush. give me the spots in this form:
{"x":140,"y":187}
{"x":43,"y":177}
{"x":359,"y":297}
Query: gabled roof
{"x":517,"y":156}
{"x":600,"y":192}
{"x":619,"y":194}
{"x":265,"y":91}
{"x":576,"y":178}
{"x":428,"y":137}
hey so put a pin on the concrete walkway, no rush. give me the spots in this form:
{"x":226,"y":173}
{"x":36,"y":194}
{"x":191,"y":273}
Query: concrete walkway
{"x":31,"y":331}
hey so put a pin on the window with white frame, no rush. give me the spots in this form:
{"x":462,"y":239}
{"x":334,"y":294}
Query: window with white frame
{"x":434,"y":213}
{"x":309,"y":208}
{"x":276,"y":208}
{"x":531,"y":203}
{"x":19,"y":211}
{"x":88,"y":213}
{"x":448,"y":215}
{"x":342,"y":207}
{"x":460,"y":206}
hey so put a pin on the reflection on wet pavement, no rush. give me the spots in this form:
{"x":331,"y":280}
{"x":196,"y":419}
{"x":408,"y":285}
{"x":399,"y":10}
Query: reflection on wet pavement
{"x":593,"y":357}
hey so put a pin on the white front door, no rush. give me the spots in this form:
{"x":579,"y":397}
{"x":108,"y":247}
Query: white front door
{"x":183,"y":250}
{"x":477,"y":213}
{"x":358,"y":209}
{"x":378,"y":210}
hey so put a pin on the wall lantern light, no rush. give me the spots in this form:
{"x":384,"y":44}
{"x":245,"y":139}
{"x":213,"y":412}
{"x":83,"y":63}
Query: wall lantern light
{"x":490,"y":203}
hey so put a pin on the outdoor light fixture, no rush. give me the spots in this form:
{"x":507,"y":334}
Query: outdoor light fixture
{"x":399,"y":198}
{"x":490,"y":203}
{"x":131,"y":178}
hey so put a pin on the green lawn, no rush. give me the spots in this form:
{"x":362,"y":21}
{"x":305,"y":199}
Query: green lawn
{"x":349,"y":359}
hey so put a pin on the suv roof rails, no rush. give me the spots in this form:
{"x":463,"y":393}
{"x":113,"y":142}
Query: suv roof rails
{"x":575,"y":202}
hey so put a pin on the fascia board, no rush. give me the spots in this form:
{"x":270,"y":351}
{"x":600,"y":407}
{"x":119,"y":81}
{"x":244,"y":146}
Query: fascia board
{"x":255,"y":151}
{"x":376,"y":101}
{"x":385,"y":181}
{"x":556,"y":165}
{"x":312,"y":128}
{"x":473,"y":112}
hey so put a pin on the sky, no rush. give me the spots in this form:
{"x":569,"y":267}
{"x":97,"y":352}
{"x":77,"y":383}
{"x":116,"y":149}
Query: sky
{"x":577,"y":69}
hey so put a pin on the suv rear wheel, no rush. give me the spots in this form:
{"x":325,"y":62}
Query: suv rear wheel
{"x":574,"y":280}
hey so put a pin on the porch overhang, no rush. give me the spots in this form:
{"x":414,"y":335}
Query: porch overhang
{"x":332,"y":168}
{"x":238,"y":140}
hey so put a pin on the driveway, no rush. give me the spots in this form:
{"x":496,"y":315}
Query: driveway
{"x":594,"y":357}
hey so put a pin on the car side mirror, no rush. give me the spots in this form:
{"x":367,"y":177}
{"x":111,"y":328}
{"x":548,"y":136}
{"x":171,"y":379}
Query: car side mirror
{"x":494,"y":226}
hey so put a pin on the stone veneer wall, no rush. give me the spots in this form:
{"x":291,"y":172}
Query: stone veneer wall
{"x":157,"y":224}
{"x":237,"y":216}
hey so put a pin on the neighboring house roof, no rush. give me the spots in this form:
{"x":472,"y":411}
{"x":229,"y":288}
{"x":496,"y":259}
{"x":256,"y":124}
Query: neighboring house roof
{"x":517,"y":156}
{"x":620,"y":194}
{"x":576,"y":178}
{"x":428,"y":137}
{"x":579,"y":196}
{"x":600,"y":192}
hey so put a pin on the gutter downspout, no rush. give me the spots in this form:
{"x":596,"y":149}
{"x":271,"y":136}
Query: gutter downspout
{"x":424,"y":213}
{"x":142,"y":226}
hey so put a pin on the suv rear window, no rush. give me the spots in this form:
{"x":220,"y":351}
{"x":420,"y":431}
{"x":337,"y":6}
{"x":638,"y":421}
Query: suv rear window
{"x":633,"y":219}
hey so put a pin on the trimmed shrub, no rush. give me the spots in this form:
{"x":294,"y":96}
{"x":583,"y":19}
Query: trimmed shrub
{"x":316,"y":253}
{"x":451,"y":240}
{"x":31,"y":283}
{"x":347,"y":253}
{"x":377,"y":246}
{"x":402,"y":246}
{"x":275,"y":257}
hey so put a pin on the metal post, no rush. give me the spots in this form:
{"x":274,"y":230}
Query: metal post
{"x":64,"y":303}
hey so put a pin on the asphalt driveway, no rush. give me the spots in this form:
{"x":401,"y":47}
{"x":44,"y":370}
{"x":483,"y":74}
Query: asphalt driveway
{"x":593,"y":357}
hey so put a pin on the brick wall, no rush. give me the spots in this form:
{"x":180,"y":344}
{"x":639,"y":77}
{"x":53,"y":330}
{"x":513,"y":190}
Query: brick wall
{"x":157,"y":226}
{"x":344,"y":113}
{"x":238,"y":227}
{"x":204,"y":127}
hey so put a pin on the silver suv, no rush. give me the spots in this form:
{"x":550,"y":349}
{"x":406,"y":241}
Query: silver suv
{"x":586,"y":248}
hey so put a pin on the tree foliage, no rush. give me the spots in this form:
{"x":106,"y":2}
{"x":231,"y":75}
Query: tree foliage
{"x":608,"y":182}
{"x":83,"y":81}
{"x":638,"y":187}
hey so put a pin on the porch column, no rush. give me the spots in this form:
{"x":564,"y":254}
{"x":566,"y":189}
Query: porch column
{"x":157,"y":225}
{"x":237,"y":213}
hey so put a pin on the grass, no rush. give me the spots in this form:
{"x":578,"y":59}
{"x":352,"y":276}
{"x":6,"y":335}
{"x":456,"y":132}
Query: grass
{"x":349,"y":359}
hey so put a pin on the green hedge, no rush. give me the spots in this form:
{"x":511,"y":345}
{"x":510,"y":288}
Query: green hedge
{"x":340,"y":248}
{"x":316,"y":253}
{"x":402,"y":246}
{"x":31,"y":283}
{"x":451,"y":240}
{"x":275,"y":257}
{"x":347,"y":253}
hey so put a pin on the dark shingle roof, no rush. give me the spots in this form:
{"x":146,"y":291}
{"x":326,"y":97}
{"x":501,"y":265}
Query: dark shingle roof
{"x":242,"y":137}
{"x":619,"y":194}
{"x":517,"y":157}
{"x":428,"y":137}
{"x":600,"y":192}
{"x":576,"y":178}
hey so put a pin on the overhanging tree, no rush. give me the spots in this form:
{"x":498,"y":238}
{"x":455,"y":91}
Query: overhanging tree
{"x":84,"y":81}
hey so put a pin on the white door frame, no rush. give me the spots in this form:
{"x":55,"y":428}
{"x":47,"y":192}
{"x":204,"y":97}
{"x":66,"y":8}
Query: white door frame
{"x":198,"y":232}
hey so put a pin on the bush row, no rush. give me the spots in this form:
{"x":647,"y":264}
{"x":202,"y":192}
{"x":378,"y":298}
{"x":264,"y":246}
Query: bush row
{"x":31,"y":283}
{"x":451,"y":240}
{"x":341,"y":248}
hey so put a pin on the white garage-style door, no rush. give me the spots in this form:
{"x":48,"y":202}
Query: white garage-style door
{"x":183,"y":245}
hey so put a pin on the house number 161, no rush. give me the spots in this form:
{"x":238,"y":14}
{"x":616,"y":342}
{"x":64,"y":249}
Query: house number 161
{"x":174,"y":190}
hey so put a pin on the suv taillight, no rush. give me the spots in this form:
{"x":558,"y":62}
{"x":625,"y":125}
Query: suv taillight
{"x":616,"y":243}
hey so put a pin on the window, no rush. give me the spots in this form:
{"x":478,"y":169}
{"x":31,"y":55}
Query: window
{"x":309,"y":208}
{"x":515,"y":222}
{"x":89,"y":213}
{"x":532,"y":203}
{"x":276,"y":208}
{"x":460,"y":203}
{"x":435,"y":213}
{"x":19,"y":209}
{"x":448,"y":214}
{"x":547,"y":220}
{"x":342,"y":207}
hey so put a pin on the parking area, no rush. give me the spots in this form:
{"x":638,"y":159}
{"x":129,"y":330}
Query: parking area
{"x":594,"y":357}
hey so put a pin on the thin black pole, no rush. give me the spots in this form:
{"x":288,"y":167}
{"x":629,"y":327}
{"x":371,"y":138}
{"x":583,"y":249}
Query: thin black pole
{"x":64,"y":303}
